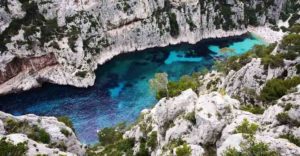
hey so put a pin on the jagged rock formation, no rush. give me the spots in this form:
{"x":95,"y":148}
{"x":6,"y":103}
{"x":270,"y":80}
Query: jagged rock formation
{"x":33,"y":131}
{"x":82,"y":34}
{"x":216,"y":118}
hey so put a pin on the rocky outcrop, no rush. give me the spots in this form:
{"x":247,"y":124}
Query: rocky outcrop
{"x":247,"y":82}
{"x":23,"y":129}
{"x":82,"y":34}
{"x":214,"y":124}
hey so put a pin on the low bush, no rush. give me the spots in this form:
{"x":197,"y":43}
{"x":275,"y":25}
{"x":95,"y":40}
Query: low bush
{"x":109,"y":136}
{"x":298,"y":68}
{"x":184,"y":83}
{"x":33,"y":131}
{"x":152,"y":140}
{"x":292,"y":138}
{"x":295,"y":28}
{"x":253,"y":109}
{"x":173,"y":25}
{"x":66,"y":120}
{"x":276,"y":88}
{"x":283,"y":118}
{"x":65,"y":132}
{"x":9,"y":149}
{"x":176,"y":87}
{"x":39,"y":135}
{"x":184,"y":150}
{"x":247,"y":128}
{"x":191,"y":117}
{"x":253,"y":149}
{"x":118,"y":148}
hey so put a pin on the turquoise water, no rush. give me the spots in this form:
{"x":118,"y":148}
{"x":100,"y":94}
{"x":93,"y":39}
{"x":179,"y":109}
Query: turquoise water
{"x":236,"y":48}
{"x":121,"y":89}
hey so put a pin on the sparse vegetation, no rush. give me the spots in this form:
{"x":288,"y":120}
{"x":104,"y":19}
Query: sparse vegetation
{"x":276,"y":88}
{"x":253,"y":109}
{"x":247,"y":128}
{"x":152,"y":140}
{"x":65,"y":132}
{"x":9,"y":149}
{"x":292,"y":138}
{"x":39,"y":135}
{"x":249,"y":146}
{"x":109,"y":136}
{"x":284,"y":119}
{"x":173,"y":24}
{"x":191,"y":117}
{"x":184,"y":150}
{"x":66,"y":120}
{"x":165,"y":88}
{"x":252,"y":148}
{"x":33,"y":131}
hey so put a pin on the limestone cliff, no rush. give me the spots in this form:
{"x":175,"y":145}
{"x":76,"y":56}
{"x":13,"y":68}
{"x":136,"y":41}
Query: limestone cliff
{"x":82,"y":34}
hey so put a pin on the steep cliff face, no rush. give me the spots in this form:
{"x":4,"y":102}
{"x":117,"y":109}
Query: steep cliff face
{"x":82,"y":34}
{"x":18,"y":65}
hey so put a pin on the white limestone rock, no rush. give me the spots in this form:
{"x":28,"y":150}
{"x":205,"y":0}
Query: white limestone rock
{"x":52,"y":126}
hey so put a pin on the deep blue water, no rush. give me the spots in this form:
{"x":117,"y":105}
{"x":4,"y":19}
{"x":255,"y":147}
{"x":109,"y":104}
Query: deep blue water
{"x":121,"y":89}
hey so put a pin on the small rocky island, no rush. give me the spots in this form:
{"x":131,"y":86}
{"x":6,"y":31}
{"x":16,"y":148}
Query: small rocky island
{"x":245,"y":105}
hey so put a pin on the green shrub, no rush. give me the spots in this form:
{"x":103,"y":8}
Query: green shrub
{"x":283,"y":118}
{"x":273,"y":61}
{"x":39,"y":135}
{"x":65,"y":132}
{"x":295,"y":28}
{"x":109,"y":136}
{"x":9,"y":149}
{"x":252,"y":149}
{"x":290,"y":55}
{"x":293,"y":139}
{"x":247,"y":128}
{"x":184,"y":83}
{"x":174,"y":143}
{"x":184,"y":150}
{"x":253,"y":109}
{"x":291,"y":42}
{"x":176,"y":87}
{"x":152,"y":140}
{"x":119,"y":148}
{"x":298,"y":68}
{"x":143,"y":151}
{"x":191,"y":117}
{"x":173,"y":24}
{"x":66,"y":120}
{"x":288,"y":106}
{"x":33,"y":131}
{"x":13,"y":126}
{"x":276,"y":88}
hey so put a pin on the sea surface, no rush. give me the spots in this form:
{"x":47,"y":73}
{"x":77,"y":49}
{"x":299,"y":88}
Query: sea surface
{"x":121,"y":89}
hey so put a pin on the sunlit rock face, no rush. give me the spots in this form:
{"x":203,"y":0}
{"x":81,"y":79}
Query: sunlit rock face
{"x":216,"y":118}
{"x":82,"y":34}
{"x":18,"y":129}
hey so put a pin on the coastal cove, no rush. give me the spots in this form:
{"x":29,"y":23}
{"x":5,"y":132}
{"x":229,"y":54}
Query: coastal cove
{"x":121,"y":89}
